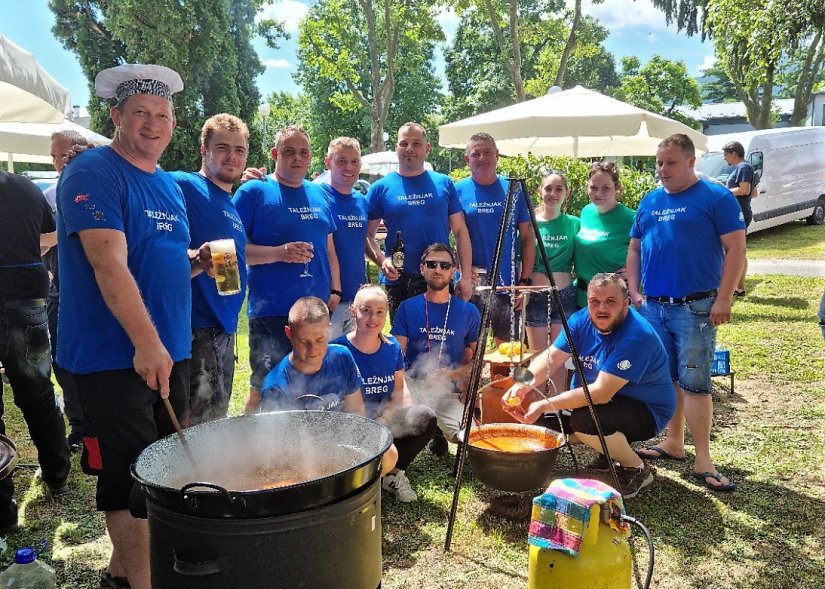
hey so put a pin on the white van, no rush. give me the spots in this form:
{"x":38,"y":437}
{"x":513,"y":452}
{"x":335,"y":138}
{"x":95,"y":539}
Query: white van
{"x":791,"y":164}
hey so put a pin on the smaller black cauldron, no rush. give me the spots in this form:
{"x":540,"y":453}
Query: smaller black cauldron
{"x":514,"y":457}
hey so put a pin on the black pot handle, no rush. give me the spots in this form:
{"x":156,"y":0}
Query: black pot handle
{"x":197,"y":569}
{"x":193,"y":501}
{"x":213,"y":486}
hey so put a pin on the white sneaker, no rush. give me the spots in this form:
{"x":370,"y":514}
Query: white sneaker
{"x":399,"y":484}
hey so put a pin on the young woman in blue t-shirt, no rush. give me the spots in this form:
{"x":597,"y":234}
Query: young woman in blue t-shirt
{"x":381,"y":364}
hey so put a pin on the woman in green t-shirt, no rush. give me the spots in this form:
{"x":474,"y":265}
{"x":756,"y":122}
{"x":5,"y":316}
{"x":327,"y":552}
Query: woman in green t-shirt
{"x":602,"y":241}
{"x":557,"y":231}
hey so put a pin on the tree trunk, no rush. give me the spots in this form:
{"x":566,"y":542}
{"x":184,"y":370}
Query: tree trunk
{"x":512,"y":65}
{"x":568,"y":46}
{"x":813,"y":61}
{"x":518,"y":82}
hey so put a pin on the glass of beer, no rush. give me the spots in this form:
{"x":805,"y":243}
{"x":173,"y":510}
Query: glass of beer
{"x":225,"y":263}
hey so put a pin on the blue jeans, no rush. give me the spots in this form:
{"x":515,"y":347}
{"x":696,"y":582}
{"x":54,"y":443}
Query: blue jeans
{"x":540,"y":303}
{"x":689,"y":340}
{"x":24,"y":352}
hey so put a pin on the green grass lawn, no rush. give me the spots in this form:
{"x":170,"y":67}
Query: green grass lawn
{"x":792,"y":241}
{"x":769,"y":437}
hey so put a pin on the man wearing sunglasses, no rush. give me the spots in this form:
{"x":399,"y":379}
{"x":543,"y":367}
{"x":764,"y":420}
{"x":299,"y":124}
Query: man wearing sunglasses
{"x":438,"y":334}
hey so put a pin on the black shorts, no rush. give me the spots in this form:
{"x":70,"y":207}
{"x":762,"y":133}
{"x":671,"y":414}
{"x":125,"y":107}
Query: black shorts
{"x":122,"y":416}
{"x":621,"y":414}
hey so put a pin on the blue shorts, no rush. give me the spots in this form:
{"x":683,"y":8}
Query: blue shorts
{"x":540,"y":302}
{"x":268,"y":345}
{"x":689,"y":340}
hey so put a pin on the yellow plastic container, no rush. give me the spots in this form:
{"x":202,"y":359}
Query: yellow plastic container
{"x":604,"y":561}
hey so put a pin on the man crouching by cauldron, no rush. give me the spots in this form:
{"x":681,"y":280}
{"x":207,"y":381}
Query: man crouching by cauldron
{"x":316,"y":375}
{"x":626,"y":368}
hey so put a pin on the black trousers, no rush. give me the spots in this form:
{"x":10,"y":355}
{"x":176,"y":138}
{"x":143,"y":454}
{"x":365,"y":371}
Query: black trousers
{"x":409,"y":285}
{"x":26,"y":357}
{"x":412,"y":427}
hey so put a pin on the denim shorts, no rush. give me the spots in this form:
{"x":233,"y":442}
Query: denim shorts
{"x":689,"y":340}
{"x":539,"y":303}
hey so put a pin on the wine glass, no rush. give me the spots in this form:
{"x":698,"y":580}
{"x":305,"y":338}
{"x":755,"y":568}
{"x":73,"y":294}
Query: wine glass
{"x":306,"y":273}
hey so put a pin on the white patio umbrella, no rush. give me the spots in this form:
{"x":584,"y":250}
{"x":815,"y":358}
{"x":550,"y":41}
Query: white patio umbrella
{"x":382,"y":163}
{"x":28,"y":94}
{"x":576,"y":122}
{"x":31,"y":142}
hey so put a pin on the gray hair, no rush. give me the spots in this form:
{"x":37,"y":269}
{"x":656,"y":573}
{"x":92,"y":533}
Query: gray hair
{"x":69,"y":135}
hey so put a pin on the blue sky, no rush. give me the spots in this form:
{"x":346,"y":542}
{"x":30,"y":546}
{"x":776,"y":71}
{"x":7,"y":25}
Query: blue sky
{"x":636,"y":28}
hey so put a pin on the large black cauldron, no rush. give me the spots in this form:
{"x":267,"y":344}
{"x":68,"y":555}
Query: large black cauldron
{"x":321,"y":532}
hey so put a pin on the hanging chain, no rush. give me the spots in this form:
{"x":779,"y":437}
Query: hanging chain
{"x":511,"y":224}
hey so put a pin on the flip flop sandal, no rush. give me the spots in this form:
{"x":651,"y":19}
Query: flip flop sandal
{"x":703,"y":477}
{"x":661,"y":454}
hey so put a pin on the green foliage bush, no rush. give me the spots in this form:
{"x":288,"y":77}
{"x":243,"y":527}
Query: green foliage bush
{"x":635,"y":184}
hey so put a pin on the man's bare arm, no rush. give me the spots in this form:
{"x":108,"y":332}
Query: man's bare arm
{"x":107,"y":253}
{"x":528,"y":248}
{"x":374,"y":253}
{"x":734,"y":245}
{"x":295,"y":252}
{"x":458,"y":226}
{"x":633,"y":271}
{"x":335,"y":272}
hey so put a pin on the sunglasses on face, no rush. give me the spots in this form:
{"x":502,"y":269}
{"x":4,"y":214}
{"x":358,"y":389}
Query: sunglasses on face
{"x":433,"y":264}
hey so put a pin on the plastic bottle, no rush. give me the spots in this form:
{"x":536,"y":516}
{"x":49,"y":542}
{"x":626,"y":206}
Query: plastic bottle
{"x":28,"y":572}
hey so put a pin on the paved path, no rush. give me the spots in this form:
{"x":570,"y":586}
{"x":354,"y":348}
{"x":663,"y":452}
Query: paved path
{"x":788,"y":267}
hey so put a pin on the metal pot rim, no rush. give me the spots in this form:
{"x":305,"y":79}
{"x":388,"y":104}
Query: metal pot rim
{"x":515,"y":427}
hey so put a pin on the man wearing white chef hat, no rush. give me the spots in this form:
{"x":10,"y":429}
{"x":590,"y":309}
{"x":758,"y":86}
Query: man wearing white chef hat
{"x":126,"y":299}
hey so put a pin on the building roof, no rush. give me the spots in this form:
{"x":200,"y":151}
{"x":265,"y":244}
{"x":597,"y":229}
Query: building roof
{"x":732,"y":110}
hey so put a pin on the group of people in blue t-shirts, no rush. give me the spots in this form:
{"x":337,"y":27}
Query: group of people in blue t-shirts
{"x":140,"y":320}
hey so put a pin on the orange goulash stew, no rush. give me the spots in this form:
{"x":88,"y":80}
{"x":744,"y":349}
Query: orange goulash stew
{"x":507,"y":440}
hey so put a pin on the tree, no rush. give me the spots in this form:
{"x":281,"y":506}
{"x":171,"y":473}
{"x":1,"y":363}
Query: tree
{"x":716,"y":85}
{"x":754,"y":41}
{"x":206,"y":41}
{"x":517,"y":25}
{"x":661,"y":86}
{"x":589,"y":64}
{"x":801,"y":75}
{"x":479,"y":81}
{"x":361,"y":45}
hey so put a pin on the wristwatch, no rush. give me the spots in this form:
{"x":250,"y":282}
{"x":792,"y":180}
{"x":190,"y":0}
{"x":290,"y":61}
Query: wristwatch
{"x":526,"y":281}
{"x":333,"y":291}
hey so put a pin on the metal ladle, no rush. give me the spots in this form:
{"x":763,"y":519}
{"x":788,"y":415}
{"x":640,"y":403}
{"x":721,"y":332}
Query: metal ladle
{"x":521,"y":374}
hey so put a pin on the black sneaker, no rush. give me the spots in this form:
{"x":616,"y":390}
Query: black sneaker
{"x":598,"y":463}
{"x":59,"y":490}
{"x":438,"y":445}
{"x":633,"y":480}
